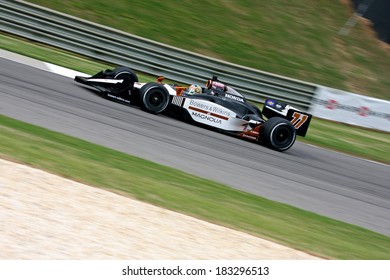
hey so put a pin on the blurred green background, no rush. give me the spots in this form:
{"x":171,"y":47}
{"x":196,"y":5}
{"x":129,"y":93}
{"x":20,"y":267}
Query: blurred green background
{"x":298,"y":39}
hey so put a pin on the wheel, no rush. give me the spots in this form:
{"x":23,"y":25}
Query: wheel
{"x":278,"y":134}
{"x":128,"y":76}
{"x":154,"y":98}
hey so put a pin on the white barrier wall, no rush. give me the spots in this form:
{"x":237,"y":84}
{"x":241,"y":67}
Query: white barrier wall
{"x":351,"y":108}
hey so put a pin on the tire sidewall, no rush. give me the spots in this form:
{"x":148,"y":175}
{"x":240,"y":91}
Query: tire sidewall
{"x":158,"y":91}
{"x":127,"y":74}
{"x":270,"y":130}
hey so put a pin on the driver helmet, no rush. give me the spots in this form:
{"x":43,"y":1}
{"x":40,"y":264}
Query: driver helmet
{"x":194,"y":89}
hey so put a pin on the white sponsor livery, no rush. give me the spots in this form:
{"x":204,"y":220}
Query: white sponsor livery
{"x":209,"y":113}
{"x":237,"y":98}
{"x":199,"y":104}
{"x":221,"y":111}
{"x":211,"y":107}
{"x":206,"y":117}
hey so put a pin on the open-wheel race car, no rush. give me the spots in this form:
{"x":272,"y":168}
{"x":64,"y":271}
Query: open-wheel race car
{"x":215,"y":105}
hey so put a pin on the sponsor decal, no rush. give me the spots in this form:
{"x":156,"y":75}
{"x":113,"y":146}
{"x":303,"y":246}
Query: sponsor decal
{"x":351,"y":108}
{"x":208,"y":113}
{"x":237,"y":98}
{"x":363,"y":111}
{"x":252,"y":134}
{"x":199,"y":105}
{"x":274,"y":104}
{"x":331,"y":104}
{"x":204,"y":108}
{"x":118,"y":98}
{"x":270,"y":102}
{"x":206,"y":117}
{"x":298,"y":119}
{"x":249,"y":137}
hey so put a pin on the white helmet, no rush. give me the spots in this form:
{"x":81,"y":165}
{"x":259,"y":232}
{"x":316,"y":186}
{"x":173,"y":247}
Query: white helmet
{"x":194,"y":89}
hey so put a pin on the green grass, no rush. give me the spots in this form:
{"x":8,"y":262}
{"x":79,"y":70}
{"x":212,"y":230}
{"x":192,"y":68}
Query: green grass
{"x":181,"y":192}
{"x":55,"y":56}
{"x":297,"y":39}
{"x":361,"y":142}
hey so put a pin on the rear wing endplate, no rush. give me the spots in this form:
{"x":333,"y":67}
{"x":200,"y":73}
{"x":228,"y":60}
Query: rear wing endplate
{"x":299,"y":119}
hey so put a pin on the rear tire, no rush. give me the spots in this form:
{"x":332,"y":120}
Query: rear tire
{"x":278,"y":134}
{"x":154,"y":98}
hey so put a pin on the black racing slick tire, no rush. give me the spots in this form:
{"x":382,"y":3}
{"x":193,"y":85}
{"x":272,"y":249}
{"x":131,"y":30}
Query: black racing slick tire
{"x":154,"y":98}
{"x":278,"y":134}
{"x":127,"y":75}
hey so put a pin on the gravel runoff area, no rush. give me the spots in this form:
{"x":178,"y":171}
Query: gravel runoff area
{"x":44,"y":216}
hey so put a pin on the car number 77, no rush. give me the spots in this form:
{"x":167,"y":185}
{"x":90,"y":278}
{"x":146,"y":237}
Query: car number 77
{"x":298,"y":119}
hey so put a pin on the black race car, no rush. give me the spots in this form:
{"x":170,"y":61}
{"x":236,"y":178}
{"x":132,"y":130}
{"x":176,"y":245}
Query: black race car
{"x":215,"y":105}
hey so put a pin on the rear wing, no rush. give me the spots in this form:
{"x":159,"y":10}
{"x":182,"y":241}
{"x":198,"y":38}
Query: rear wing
{"x":299,"y":119}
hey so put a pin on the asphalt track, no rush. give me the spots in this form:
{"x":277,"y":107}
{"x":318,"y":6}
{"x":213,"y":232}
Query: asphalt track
{"x":332,"y":184}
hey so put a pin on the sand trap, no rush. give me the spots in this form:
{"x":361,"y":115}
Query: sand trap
{"x":44,"y":216}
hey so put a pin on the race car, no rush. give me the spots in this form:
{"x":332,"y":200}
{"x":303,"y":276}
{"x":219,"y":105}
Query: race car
{"x":215,"y":105}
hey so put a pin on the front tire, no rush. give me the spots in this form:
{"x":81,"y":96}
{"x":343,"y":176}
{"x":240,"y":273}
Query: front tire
{"x":127,"y":75}
{"x":278,"y":134}
{"x":154,"y":98}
